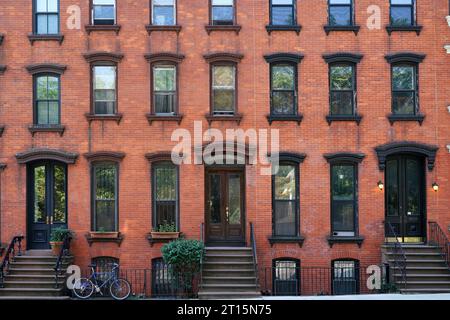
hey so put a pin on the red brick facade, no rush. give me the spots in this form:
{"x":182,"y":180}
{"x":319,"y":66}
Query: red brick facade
{"x":135,"y":137}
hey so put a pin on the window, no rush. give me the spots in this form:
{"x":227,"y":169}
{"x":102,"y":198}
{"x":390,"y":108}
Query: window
{"x":342,"y":89}
{"x":286,"y":277}
{"x":47,"y":99}
{"x":103,"y":12}
{"x":164,"y":89}
{"x":163,"y":12}
{"x":222,"y":12}
{"x":282,"y":12}
{"x":404,"y":89}
{"x":340,"y":12}
{"x":165,"y":194}
{"x":105,"y":89}
{"x":345,"y":275}
{"x":283,"y":88}
{"x":104,"y":265}
{"x":403,"y":13}
{"x":223,"y":89}
{"x":105,"y":190}
{"x":286,"y":200}
{"x":343,"y":199}
{"x":163,"y":280}
{"x":46,"y":19}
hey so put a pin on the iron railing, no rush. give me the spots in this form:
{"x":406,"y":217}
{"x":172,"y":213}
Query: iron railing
{"x":14,"y":249}
{"x":202,"y":240}
{"x":317,"y":281}
{"x":398,"y":255}
{"x":255,"y":256}
{"x":63,"y":254}
{"x":437,"y":237}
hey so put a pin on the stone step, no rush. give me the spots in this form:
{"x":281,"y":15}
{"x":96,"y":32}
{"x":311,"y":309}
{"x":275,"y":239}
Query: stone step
{"x":35,"y":292}
{"x":220,"y":272}
{"x":33,"y":284}
{"x":31,"y":271}
{"x":423,"y":270}
{"x":229,"y":279}
{"x":425,"y":290}
{"x":422,"y":263}
{"x":228,"y":287}
{"x":227,"y":265}
{"x":33,"y":265}
{"x":229,"y":250}
{"x":228,"y":258}
{"x":35,"y":259}
{"x":32,"y":277}
{"x":424,"y":284}
{"x":229,"y":295}
{"x":34,"y":298}
{"x":418,"y":255}
{"x":39,"y":253}
{"x":424,"y":277}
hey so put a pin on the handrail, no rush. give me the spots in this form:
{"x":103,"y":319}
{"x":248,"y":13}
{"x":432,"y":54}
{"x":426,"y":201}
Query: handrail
{"x":202,"y":239}
{"x":398,"y":251}
{"x":9,"y":257}
{"x":437,"y":237}
{"x":62,"y":254}
{"x":255,"y":257}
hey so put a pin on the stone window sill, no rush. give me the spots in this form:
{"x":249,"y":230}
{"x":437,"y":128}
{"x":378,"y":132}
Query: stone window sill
{"x":212,"y":117}
{"x":294,"y":118}
{"x":114,"y":237}
{"x":296,"y":28}
{"x":174,"y":118}
{"x":416,"y":29}
{"x":152,"y":240}
{"x":50,"y":128}
{"x":211,"y":28}
{"x":45,"y":37}
{"x":104,"y":117}
{"x":113,"y":28}
{"x":355,"y":29}
{"x":150,"y":28}
{"x":400,"y":117}
{"x":298,"y":240}
{"x":332,"y":240}
{"x":356,"y":118}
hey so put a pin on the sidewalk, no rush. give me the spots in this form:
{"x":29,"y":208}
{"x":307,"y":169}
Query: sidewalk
{"x":367,"y":297}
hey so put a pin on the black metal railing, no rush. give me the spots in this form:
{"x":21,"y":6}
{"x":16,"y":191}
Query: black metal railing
{"x":398,"y":255}
{"x":255,"y":256}
{"x":317,"y":281}
{"x":63,"y":254}
{"x":202,"y":240}
{"x":437,"y":237}
{"x":14,"y":249}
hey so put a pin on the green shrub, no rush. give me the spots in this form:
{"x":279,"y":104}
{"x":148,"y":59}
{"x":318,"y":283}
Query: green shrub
{"x":166,"y":227}
{"x":59,"y":234}
{"x":183,"y":255}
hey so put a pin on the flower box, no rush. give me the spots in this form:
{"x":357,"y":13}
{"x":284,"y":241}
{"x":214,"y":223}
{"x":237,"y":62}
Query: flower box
{"x":165,"y":235}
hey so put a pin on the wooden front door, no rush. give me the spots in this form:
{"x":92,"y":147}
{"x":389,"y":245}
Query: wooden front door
{"x":47,"y":202}
{"x":224,"y":208}
{"x":405,"y":198}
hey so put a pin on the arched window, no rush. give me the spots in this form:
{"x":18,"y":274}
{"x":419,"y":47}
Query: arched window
{"x":345,"y":276}
{"x":286,"y":277}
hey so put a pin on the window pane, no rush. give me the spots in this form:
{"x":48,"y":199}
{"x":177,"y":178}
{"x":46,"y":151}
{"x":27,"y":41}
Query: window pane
{"x":41,"y":5}
{"x":282,"y":16}
{"x":403,"y":78}
{"x":42,"y":112}
{"x":164,"y":103}
{"x":223,"y":76}
{"x":285,"y":183}
{"x":223,"y":100}
{"x":413,"y":184}
{"x":401,"y":16}
{"x":166,"y":182}
{"x":340,"y":16}
{"x":164,"y":79}
{"x":285,"y":222}
{"x":42,"y":26}
{"x":52,"y":5}
{"x":343,"y":216}
{"x":105,"y":95}
{"x":282,"y":2}
{"x":104,"y":15}
{"x":39,"y":194}
{"x":340,"y":1}
{"x":110,"y":2}
{"x":222,"y":15}
{"x":283,"y":77}
{"x":392,"y":187}
{"x":163,"y":15}
{"x":344,"y":278}
{"x":222,"y":2}
{"x":215,"y":196}
{"x":286,"y":278}
{"x":53,"y":88}
{"x":342,"y":103}
{"x":59,"y":193}
{"x":403,"y":102}
{"x":52,"y":23}
{"x":234,"y":199}
{"x":41,"y":88}
{"x":163,"y":2}
{"x":53,"y":112}
{"x":343,"y":178}
{"x":105,"y":107}
{"x":341,"y":77}
{"x":283,"y":102}
{"x":105,"y":77}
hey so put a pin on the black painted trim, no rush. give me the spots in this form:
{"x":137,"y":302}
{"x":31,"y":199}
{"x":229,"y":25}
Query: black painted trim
{"x":405,"y":57}
{"x":405,"y":117}
{"x":283,"y":57}
{"x":274,"y":239}
{"x":332,"y":240}
{"x":342,"y":57}
{"x":416,"y":29}
{"x":295,"y":28}
{"x":356,"y":118}
{"x":355,"y":29}
{"x":340,"y":157}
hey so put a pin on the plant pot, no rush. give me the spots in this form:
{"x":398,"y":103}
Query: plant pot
{"x":56,"y":247}
{"x":165,"y":235}
{"x":448,"y":20}
{"x":104,"y":235}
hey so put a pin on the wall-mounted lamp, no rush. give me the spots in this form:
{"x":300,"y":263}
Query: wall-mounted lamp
{"x":435,"y":187}
{"x":380,"y":185}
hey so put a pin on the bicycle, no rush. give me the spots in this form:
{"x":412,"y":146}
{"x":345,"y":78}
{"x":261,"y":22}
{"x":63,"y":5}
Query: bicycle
{"x":119,"y":289}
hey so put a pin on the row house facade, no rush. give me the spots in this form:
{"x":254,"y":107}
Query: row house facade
{"x":92,"y":91}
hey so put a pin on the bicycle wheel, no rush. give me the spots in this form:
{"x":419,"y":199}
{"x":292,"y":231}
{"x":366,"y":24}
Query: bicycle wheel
{"x":83,"y":288}
{"x":120,"y":289}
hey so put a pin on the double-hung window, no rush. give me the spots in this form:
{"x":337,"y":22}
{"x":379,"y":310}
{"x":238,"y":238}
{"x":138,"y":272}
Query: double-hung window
{"x":342,"y":89}
{"x":404,"y":89}
{"x":340,"y":12}
{"x":47,"y":99}
{"x":164,"y":89}
{"x":103,"y":12}
{"x":105,"y":191}
{"x":104,"y":89}
{"x":46,"y":17}
{"x":283,"y":88}
{"x":165,"y":194}
{"x":164,"y":12}
{"x":403,"y":13}
{"x":222,"y":12}
{"x":283,"y":12}
{"x":223,"y":89}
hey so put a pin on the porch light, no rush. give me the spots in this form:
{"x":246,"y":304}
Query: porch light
{"x":435,"y":186}
{"x":380,"y":185}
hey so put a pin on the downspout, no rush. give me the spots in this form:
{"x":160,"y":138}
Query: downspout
{"x":2,"y":167}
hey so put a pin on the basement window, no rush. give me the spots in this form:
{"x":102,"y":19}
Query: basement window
{"x":286,"y":277}
{"x":345,"y":276}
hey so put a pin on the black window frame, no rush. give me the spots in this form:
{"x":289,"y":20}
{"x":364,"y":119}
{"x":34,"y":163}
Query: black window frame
{"x":154,"y":166}
{"x":357,"y":274}
{"x":294,"y":13}
{"x":353,"y":90}
{"x":297,"y":276}
{"x":93,"y":99}
{"x":352,"y":13}
{"x":94,"y":165}
{"x":35,"y":98}
{"x":92,"y":13}
{"x":35,"y":19}
{"x":295,"y":90}
{"x":415,"y":67}
{"x":413,"y":9}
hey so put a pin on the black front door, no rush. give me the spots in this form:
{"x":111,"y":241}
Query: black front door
{"x":47,"y":201}
{"x":405,"y":198}
{"x":225,"y":207}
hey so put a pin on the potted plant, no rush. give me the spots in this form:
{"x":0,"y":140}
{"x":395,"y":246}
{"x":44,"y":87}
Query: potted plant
{"x":165,"y":230}
{"x":102,"y":233}
{"x":57,"y":237}
{"x":448,"y":20}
